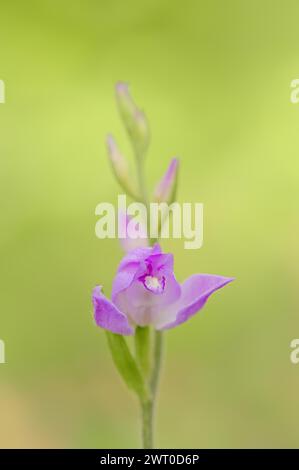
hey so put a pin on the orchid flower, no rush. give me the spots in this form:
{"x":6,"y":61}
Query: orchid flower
{"x":146,"y":296}
{"x":145,"y":292}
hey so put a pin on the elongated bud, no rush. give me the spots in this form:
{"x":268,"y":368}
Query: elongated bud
{"x":120,"y":166}
{"x":133,"y":118}
{"x":127,"y":243}
{"x":117,"y":160}
{"x":166,"y":188}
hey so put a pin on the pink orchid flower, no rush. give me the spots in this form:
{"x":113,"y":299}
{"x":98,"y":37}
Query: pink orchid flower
{"x":146,"y":292}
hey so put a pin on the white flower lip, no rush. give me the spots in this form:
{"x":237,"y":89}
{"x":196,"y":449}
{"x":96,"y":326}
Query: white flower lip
{"x":154,"y":284}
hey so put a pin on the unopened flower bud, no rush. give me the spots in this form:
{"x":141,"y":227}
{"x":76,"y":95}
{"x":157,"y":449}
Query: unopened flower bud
{"x":119,"y":166}
{"x":127,"y":242}
{"x":134,"y":119}
{"x":166,"y":188}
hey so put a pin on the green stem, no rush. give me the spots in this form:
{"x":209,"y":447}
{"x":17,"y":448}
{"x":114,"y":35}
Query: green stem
{"x":147,"y":409}
{"x":142,"y":348}
{"x":158,"y":349}
{"x":148,"y":406}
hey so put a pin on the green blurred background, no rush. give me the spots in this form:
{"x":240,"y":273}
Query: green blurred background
{"x":214,"y":78}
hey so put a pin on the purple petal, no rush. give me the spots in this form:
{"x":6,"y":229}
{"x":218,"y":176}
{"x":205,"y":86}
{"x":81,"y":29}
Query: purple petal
{"x":195,"y":292}
{"x":130,"y":267}
{"x":107,"y":315}
{"x":142,"y":306}
{"x":160,"y":263}
{"x":128,"y":292}
{"x":139,"y":255}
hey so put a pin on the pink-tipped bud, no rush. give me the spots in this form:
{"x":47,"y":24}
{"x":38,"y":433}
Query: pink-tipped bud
{"x":119,"y":166}
{"x":117,"y":160}
{"x":123,"y":94}
{"x":166,"y":188}
{"x":134,"y":119}
{"x":127,"y":242}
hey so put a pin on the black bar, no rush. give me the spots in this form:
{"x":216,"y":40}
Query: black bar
{"x":134,"y":458}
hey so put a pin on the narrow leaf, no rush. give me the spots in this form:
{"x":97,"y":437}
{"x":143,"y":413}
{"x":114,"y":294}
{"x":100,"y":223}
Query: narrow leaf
{"x":126,"y":365}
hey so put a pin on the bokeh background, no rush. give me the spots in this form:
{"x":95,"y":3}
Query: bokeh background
{"x":214,"y":78}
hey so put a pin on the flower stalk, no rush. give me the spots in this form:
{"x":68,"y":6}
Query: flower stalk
{"x":151,"y":376}
{"x":149,"y":407}
{"x":150,"y":366}
{"x":146,"y":297}
{"x":147,"y":424}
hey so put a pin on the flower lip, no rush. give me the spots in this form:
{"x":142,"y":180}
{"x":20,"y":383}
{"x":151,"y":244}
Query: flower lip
{"x":153,"y":284}
{"x":153,"y":278}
